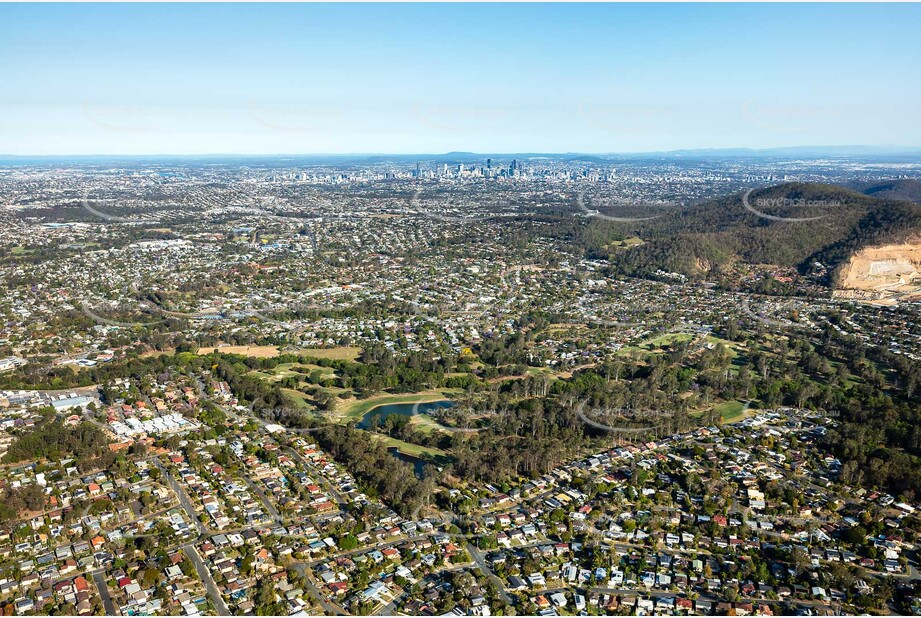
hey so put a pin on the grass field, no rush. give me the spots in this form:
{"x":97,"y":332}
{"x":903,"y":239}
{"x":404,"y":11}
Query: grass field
{"x":731,"y":346}
{"x":341,"y":353}
{"x":257,"y":351}
{"x":632,"y":241}
{"x":631,"y":350}
{"x":287,"y":370}
{"x":424,"y":423}
{"x":297,"y":397}
{"x":271,"y":351}
{"x":732,"y":411}
{"x":666,"y":339}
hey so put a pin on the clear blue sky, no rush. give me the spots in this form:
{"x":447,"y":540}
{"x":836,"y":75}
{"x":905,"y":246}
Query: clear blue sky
{"x":412,"y":78}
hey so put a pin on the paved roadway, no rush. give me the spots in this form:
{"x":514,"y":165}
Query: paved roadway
{"x":103,"y":588}
{"x":328,"y":606}
{"x":206,"y":578}
{"x":265,"y":500}
{"x":322,"y":480}
{"x":184,"y":499}
{"x":495,"y":579}
{"x":390,"y":609}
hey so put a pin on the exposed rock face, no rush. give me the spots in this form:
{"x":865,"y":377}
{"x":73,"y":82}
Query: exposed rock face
{"x":886,"y":274}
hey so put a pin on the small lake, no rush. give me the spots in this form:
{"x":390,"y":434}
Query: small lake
{"x":370,"y":419}
{"x":417,"y":463}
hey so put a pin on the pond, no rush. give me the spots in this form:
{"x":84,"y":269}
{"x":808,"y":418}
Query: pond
{"x":417,"y":463}
{"x":379,"y":413}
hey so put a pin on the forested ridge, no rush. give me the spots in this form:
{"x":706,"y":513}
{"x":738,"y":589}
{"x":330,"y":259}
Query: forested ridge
{"x":700,"y":239}
{"x":907,"y":189}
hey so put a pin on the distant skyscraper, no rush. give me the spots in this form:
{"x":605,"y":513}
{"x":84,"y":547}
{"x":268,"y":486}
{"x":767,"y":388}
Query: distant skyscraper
{"x":418,"y":169}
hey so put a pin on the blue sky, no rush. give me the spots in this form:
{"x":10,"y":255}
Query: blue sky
{"x":428,"y":78}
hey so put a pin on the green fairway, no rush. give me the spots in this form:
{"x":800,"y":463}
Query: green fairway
{"x":287,"y":370}
{"x":666,"y":339}
{"x":407,"y":448}
{"x":298,"y":398}
{"x":731,"y":411}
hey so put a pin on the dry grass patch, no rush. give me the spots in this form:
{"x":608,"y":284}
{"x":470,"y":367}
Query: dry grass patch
{"x":257,"y":351}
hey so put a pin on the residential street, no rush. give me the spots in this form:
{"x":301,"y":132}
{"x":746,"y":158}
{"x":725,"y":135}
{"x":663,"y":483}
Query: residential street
{"x":184,"y":499}
{"x":205,"y":575}
{"x":100,"y":581}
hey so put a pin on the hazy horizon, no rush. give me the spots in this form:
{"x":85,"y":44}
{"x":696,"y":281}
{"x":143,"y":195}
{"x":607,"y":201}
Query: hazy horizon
{"x":812,"y":150}
{"x":292,"y":79}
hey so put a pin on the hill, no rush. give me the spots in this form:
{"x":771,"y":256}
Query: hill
{"x":908,"y":190}
{"x":794,"y":224}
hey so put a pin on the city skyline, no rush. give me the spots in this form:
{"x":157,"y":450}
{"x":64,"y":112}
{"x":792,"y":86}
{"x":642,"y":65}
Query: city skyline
{"x":407,"y":79}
